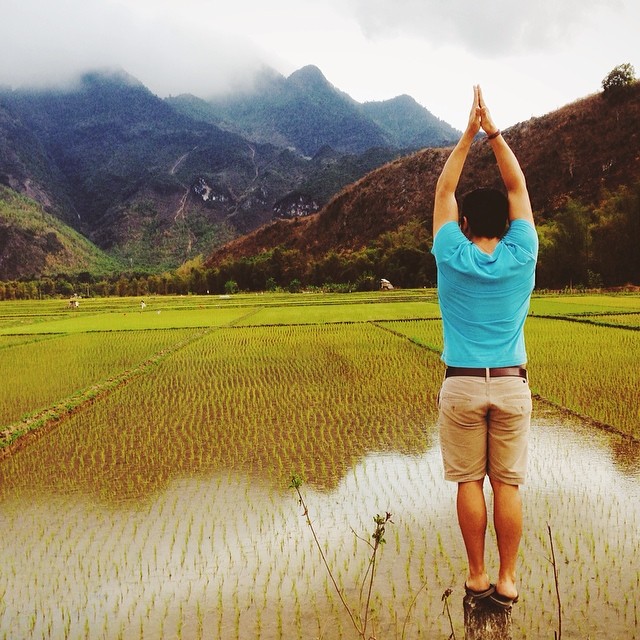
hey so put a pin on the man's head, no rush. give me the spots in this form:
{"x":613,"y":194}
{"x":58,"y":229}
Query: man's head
{"x":487,"y":212}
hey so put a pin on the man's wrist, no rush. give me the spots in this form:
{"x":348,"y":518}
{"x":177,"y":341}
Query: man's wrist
{"x":495,"y":134}
{"x":468,"y":136}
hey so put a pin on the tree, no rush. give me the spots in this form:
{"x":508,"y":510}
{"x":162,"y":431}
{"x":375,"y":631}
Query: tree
{"x":564,"y":248}
{"x":618,"y":80}
{"x":615,"y":234}
{"x":230,"y":286}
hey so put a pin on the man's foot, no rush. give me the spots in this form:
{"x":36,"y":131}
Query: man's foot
{"x":481,"y":594}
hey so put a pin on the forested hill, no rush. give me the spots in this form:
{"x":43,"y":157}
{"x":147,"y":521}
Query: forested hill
{"x":582,"y":164}
{"x":51,"y":246}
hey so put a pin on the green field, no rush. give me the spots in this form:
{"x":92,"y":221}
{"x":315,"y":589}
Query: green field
{"x":147,"y":455}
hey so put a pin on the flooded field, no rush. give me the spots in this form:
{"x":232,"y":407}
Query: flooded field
{"x":160,"y":507}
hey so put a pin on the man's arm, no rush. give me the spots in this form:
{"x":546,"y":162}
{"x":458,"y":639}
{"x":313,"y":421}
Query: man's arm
{"x":512,"y":175}
{"x":446,"y":208}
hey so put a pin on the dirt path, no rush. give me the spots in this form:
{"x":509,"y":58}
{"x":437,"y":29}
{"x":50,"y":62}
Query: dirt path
{"x":180,"y":215}
{"x":180,"y":160}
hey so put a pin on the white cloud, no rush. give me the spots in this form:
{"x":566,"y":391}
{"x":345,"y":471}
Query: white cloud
{"x":44,"y":43}
{"x":492,"y":27}
{"x":531,"y":57}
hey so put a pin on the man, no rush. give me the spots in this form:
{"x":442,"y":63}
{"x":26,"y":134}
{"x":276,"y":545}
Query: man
{"x":485,"y":280}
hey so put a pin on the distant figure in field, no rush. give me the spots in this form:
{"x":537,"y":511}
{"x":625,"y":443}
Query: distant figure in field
{"x":486,"y":267}
{"x":74,"y":303}
{"x":142,"y":305}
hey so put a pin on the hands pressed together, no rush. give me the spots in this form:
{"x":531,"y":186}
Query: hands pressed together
{"x":480,"y":118}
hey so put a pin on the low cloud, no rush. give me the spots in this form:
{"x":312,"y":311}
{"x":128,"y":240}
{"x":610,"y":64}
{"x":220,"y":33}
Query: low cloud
{"x":49,"y":43}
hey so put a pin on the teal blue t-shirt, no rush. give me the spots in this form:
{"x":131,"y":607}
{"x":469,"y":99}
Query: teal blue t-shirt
{"x":484,"y":298}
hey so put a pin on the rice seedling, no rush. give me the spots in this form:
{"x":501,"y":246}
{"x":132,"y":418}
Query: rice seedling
{"x":46,"y":371}
{"x":582,"y":305}
{"x":158,"y":508}
{"x":599,"y":379}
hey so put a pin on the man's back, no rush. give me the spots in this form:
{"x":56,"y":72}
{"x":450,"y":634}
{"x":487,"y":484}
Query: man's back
{"x":484,"y":298}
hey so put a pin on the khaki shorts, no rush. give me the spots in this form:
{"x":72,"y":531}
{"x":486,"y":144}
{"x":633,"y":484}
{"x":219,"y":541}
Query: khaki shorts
{"x":484,"y":427}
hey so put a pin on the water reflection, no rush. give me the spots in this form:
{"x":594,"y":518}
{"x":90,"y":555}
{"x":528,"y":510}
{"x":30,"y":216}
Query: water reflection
{"x":626,"y":455}
{"x":96,"y":456}
{"x":227,"y":554}
{"x":623,"y":451}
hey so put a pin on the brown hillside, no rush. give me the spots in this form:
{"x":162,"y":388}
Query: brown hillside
{"x":574,"y":152}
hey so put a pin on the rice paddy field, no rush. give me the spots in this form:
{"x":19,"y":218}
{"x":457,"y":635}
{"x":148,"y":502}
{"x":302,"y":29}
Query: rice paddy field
{"x":147,"y":457}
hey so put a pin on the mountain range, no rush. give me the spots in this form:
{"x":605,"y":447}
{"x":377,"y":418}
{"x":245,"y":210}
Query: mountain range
{"x":305,"y":112}
{"x":153,"y":183}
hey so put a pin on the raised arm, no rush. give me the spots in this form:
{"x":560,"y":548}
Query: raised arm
{"x":446,"y":208}
{"x":512,"y":175}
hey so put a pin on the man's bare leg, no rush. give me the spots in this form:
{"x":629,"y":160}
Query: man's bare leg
{"x":507,"y":519}
{"x":472,"y":517}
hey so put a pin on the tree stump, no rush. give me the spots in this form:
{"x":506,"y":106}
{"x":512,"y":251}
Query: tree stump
{"x":484,"y":621}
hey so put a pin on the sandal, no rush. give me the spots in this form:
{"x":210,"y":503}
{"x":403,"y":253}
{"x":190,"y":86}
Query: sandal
{"x":503,"y":602}
{"x":480,"y":595}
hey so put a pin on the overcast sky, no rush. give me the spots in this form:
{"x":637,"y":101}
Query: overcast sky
{"x":529,"y":57}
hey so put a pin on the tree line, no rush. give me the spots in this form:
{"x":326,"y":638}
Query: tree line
{"x":580,"y":247}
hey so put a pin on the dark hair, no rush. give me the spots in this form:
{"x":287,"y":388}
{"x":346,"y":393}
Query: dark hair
{"x":487,"y":212}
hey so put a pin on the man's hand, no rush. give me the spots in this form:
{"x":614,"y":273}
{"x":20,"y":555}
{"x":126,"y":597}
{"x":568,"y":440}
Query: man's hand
{"x":475,"y":116}
{"x":486,"y":122}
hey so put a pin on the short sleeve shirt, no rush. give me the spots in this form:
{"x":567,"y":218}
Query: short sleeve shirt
{"x":484,"y":298}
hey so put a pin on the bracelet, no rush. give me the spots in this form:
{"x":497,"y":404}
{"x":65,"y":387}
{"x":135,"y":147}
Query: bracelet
{"x":495,"y":134}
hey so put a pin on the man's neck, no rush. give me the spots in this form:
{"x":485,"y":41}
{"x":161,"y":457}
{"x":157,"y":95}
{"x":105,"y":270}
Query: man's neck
{"x":487,"y":245}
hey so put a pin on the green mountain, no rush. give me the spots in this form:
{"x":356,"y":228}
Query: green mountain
{"x":408,"y":125}
{"x":305,"y":112}
{"x":35,"y":243}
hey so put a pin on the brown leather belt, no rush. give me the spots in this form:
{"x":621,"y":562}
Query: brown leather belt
{"x":495,"y":372}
